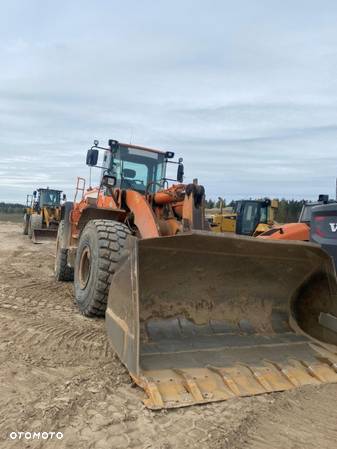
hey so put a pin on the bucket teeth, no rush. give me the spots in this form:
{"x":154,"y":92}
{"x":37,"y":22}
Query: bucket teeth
{"x":177,"y":388}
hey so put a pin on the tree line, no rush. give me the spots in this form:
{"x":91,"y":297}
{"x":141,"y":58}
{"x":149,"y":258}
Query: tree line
{"x":288,"y":210}
{"x":11,"y":208}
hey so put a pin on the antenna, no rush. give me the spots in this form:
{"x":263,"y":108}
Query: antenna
{"x":131,"y":129}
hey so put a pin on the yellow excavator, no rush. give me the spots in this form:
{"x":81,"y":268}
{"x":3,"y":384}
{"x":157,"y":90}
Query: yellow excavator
{"x":42,"y":214}
{"x":249,"y":217}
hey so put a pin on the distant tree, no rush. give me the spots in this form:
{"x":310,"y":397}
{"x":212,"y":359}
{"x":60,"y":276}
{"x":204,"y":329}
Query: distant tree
{"x":218,"y":203}
{"x":11,"y":208}
{"x":209,"y":204}
{"x":289,"y":210}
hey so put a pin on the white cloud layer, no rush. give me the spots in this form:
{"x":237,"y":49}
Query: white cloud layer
{"x":245,"y":91}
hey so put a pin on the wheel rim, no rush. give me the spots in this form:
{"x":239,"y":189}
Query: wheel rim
{"x":84,"y":268}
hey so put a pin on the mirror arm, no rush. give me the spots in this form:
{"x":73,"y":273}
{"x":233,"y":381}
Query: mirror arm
{"x":99,"y":166}
{"x":100,"y":148}
{"x":172,"y":162}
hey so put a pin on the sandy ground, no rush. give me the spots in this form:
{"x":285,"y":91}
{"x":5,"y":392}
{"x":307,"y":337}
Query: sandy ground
{"x":57,"y":374}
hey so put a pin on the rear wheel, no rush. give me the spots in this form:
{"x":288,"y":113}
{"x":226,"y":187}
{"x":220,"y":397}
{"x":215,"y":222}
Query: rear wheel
{"x":35,"y":222}
{"x":25,"y":224}
{"x":97,"y":258}
{"x":63,"y":272}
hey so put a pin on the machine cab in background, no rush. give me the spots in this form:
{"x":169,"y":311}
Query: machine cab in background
{"x":248,"y":217}
{"x":49,"y":197}
{"x":254,"y":216}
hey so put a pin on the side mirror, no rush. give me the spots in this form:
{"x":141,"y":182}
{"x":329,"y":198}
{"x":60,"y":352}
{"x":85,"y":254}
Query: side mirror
{"x":92,"y":157}
{"x":169,"y":155}
{"x":64,"y":197}
{"x":34,"y":193}
{"x":180,"y":172}
{"x":108,"y":181}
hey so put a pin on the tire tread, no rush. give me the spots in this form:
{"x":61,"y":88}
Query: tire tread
{"x":111,"y":240}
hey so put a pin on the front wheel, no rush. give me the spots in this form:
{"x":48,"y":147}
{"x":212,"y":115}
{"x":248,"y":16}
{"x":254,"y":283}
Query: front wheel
{"x":35,"y":222}
{"x":62,"y":271}
{"x":25,"y":224}
{"x":97,"y":258}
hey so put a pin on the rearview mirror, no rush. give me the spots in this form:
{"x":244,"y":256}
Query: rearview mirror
{"x":92,"y":157}
{"x":169,"y":155}
{"x":180,"y":172}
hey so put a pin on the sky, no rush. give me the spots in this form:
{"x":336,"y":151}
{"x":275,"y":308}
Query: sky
{"x":245,"y":92}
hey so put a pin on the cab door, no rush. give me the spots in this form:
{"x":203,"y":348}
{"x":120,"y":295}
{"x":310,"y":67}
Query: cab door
{"x":248,"y":217}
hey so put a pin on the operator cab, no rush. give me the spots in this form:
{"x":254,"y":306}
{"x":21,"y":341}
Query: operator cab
{"x":305,"y":215}
{"x":250,"y":213}
{"x":48,"y":197}
{"x":132,"y":167}
{"x":137,"y":169}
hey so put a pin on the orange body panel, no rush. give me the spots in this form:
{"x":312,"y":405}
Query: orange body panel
{"x":173,"y":194}
{"x":144,"y":218}
{"x":289,"y":231}
{"x":150,"y":215}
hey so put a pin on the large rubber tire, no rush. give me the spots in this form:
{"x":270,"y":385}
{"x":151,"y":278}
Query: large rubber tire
{"x":62,"y":271}
{"x":98,"y":254}
{"x":35,"y":222}
{"x":25,"y":224}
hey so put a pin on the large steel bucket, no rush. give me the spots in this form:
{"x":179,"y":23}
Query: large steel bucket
{"x":205,"y":317}
{"x":43,"y":235}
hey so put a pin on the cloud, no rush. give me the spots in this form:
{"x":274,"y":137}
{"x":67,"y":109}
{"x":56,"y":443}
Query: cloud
{"x":245,"y":92}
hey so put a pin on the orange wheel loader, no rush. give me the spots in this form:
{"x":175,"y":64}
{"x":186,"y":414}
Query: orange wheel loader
{"x":195,"y":316}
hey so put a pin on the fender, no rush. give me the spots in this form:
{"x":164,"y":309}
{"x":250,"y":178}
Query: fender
{"x":66,"y":208}
{"x":144,"y":218}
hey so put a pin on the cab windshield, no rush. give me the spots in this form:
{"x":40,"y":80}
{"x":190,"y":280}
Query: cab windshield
{"x":49,"y":197}
{"x":138,"y":169}
{"x":251,"y":217}
{"x":264,"y":214}
{"x":305,"y":216}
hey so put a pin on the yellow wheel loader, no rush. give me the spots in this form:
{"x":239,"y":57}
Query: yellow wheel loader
{"x":42,"y":215}
{"x":195,"y":316}
{"x":249,"y":217}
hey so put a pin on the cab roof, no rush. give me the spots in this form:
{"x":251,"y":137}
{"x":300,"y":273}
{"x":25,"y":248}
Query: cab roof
{"x":48,"y":189}
{"x":139,"y":147}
